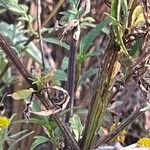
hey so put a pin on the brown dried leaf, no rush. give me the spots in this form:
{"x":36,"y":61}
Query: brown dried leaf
{"x":47,"y":112}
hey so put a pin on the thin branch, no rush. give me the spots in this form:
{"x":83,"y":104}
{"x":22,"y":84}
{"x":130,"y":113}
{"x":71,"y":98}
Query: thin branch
{"x":10,"y":53}
{"x":51,"y":15}
{"x":120,"y":127}
{"x":39,"y":32}
{"x":54,"y":11}
{"x":146,"y":8}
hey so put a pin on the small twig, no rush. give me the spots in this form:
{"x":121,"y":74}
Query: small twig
{"x":146,"y":8}
{"x":54,"y":11}
{"x":107,"y":3}
{"x":51,"y":15}
{"x":141,"y":58}
{"x":30,"y":39}
{"x":120,"y":127}
{"x":39,"y":32}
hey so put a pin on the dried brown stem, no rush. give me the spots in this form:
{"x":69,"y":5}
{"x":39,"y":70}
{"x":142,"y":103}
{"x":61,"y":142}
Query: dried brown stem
{"x":71,"y":73}
{"x":10,"y":53}
{"x":39,"y":32}
{"x":120,"y":127}
{"x":53,"y":13}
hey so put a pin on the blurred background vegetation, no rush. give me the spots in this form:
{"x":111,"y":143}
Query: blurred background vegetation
{"x":43,"y":33}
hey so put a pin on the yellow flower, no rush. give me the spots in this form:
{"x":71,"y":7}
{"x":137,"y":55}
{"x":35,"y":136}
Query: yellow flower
{"x":4,"y":122}
{"x":144,"y":142}
{"x":121,"y":136}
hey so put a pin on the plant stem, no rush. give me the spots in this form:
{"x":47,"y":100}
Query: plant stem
{"x":39,"y":33}
{"x":100,"y":97}
{"x":10,"y":53}
{"x":71,"y":74}
{"x":52,"y":13}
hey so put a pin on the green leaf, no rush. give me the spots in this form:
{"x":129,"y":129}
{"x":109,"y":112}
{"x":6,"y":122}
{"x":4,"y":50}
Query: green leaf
{"x":137,"y":16}
{"x":88,"y":40}
{"x":136,"y":47}
{"x":57,"y":42}
{"x":13,"y":5}
{"x":76,"y":126}
{"x":116,"y":14}
{"x":84,"y":25}
{"x":87,"y":74}
{"x":38,"y":141}
{"x":125,"y":12}
{"x":3,"y":63}
{"x":17,"y":37}
{"x":114,"y":20}
{"x":87,"y":22}
{"x":22,"y":94}
{"x":95,"y":53}
{"x":60,"y":75}
{"x":41,"y":119}
{"x":64,"y":64}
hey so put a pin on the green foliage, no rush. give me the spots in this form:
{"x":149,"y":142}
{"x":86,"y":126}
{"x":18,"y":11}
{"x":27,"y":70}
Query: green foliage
{"x":76,"y":12}
{"x":42,"y":79}
{"x":15,"y":34}
{"x":22,"y":94}
{"x":19,"y":33}
{"x":57,"y":42}
{"x":49,"y":126}
{"x":13,"y":5}
{"x":38,"y":141}
{"x":76,"y":126}
{"x":118,"y":31}
{"x":88,"y":40}
{"x":18,"y":9}
{"x":3,"y":63}
{"x":12,"y":139}
{"x":64,"y":64}
{"x":125,"y":9}
{"x":60,"y":75}
{"x":73,"y":13}
{"x":136,"y":48}
{"x":87,"y":74}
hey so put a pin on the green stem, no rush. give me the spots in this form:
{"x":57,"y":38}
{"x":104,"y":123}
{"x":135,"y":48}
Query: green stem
{"x":100,"y":98}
